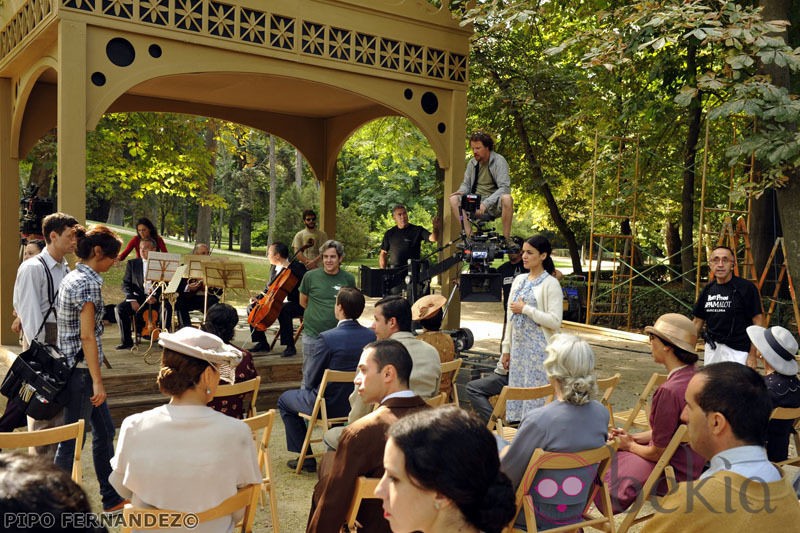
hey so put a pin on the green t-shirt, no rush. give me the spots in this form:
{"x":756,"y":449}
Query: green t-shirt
{"x":321,"y":289}
{"x":486,"y":185}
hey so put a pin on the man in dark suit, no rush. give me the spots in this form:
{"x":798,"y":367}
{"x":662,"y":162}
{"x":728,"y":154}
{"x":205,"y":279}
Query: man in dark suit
{"x":136,"y":291}
{"x":384,"y":371}
{"x":191,"y":293}
{"x":339,"y":349}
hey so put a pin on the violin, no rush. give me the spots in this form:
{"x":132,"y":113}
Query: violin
{"x":268,"y":307}
{"x":150,"y":329}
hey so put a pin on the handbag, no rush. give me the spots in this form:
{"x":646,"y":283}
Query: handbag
{"x":40,"y":374}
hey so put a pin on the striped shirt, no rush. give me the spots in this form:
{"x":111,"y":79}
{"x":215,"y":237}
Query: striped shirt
{"x":80,"y":286}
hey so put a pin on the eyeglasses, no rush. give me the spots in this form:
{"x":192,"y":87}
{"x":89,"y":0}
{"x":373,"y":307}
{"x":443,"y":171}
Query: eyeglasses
{"x":311,"y":219}
{"x":722,"y":260}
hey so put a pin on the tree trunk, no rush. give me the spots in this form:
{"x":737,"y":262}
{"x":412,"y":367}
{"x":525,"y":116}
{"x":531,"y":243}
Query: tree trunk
{"x":245,"y":230}
{"x":541,"y":184}
{"x":298,"y":168}
{"x":116,"y":215}
{"x":694,"y":115}
{"x":672,"y":240}
{"x":204,"y":211}
{"x":273,"y":186}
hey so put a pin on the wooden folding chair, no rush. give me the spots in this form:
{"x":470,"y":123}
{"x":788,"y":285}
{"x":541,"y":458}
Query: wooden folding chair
{"x":319,"y":413}
{"x":249,"y":388}
{"x":639,"y":416}
{"x":786,"y":413}
{"x":662,"y":468}
{"x":438,"y":400}
{"x":143,"y":519}
{"x":365,"y":490}
{"x":43,"y":437}
{"x":542,"y":460}
{"x":497,"y":419}
{"x":263,"y":423}
{"x":607,"y":386}
{"x":451,"y":369}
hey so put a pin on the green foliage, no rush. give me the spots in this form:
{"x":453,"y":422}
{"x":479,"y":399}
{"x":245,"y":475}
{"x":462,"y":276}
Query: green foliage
{"x":352,"y":230}
{"x":291,"y":204}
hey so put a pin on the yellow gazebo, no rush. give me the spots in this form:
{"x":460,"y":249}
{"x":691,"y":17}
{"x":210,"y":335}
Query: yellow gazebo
{"x":309,"y":71}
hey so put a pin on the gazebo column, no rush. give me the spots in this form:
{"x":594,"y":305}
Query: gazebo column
{"x":453,"y":176}
{"x":327,"y":205}
{"x":72,"y":78}
{"x":9,"y":197}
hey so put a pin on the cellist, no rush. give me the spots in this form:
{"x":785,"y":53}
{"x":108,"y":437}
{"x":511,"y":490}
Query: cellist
{"x":278,"y":256}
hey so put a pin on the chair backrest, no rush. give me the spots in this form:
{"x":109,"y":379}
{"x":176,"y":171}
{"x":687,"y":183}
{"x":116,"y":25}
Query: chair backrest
{"x":263,"y":423}
{"x":654,"y":382}
{"x":516,"y":393}
{"x":43,"y":437}
{"x":143,"y":519}
{"x":365,"y":489}
{"x":631,"y":515}
{"x":330,"y":376}
{"x":542,"y":460}
{"x":451,"y":368}
{"x":438,"y":400}
{"x":789,"y":413}
{"x":249,"y":388}
{"x":607,"y":386}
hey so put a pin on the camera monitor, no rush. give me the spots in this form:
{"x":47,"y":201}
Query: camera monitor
{"x":482,"y":287}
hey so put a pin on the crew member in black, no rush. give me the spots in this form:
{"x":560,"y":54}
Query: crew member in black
{"x":403,"y":241}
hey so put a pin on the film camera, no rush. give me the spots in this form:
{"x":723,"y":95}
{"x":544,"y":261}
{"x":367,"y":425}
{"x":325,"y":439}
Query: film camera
{"x":33,"y":209}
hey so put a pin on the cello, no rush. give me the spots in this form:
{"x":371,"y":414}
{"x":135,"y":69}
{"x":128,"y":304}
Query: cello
{"x":268,"y":307}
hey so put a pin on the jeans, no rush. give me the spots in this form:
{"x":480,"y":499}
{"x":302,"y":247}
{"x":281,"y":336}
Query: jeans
{"x":480,"y":390}
{"x":79,"y":407}
{"x":310,"y":346}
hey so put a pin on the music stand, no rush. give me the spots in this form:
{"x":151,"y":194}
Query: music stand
{"x":223,"y":275}
{"x":161,"y":268}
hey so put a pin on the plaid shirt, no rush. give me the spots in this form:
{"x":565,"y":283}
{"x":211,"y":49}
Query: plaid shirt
{"x":80,"y":286}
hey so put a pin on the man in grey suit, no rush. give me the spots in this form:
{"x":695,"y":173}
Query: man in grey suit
{"x":339,"y":349}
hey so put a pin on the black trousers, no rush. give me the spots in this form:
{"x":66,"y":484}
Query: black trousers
{"x":289,"y":312}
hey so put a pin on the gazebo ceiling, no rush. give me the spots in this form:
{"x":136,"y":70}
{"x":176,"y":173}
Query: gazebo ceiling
{"x":286,"y":96}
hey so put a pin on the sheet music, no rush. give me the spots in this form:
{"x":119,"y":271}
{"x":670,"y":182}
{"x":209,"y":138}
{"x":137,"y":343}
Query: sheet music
{"x":226,"y":275}
{"x":175,"y":282}
{"x":161,"y":266}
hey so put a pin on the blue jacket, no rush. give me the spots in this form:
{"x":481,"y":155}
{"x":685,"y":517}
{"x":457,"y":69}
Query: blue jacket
{"x":338,"y":349}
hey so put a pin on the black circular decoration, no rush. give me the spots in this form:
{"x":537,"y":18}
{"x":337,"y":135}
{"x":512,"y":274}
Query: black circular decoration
{"x":120,"y":52}
{"x":155,"y":51}
{"x":441,"y":127}
{"x":409,"y":94}
{"x":430,"y":103}
{"x":98,"y":78}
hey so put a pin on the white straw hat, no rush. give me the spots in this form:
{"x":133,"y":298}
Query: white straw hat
{"x":206,"y":346}
{"x":778,"y":347}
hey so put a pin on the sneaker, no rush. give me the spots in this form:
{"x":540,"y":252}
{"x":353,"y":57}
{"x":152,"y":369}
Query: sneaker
{"x":117,"y":508}
{"x":309,"y":465}
{"x":289,"y":351}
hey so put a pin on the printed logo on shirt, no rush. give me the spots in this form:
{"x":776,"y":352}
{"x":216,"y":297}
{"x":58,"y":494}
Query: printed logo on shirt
{"x":718,"y":303}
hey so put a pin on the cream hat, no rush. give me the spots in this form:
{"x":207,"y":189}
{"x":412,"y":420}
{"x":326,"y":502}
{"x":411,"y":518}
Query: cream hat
{"x":676,"y":329}
{"x":778,"y":347}
{"x":206,"y":346}
{"x":427,"y":306}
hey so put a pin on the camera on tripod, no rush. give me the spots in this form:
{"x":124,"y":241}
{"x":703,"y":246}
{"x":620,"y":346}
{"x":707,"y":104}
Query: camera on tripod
{"x":33,"y":209}
{"x":483,"y":246}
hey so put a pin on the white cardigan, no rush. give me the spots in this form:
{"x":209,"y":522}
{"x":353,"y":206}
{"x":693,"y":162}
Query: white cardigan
{"x":547,"y":312}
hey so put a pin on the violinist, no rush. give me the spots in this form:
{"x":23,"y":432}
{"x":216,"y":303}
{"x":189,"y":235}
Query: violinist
{"x":278,"y":256}
{"x":137,"y":291}
{"x":191,"y":293}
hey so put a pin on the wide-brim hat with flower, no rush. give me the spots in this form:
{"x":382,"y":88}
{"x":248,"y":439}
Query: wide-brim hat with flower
{"x":427,"y":306}
{"x":777,"y":346}
{"x":206,"y":346}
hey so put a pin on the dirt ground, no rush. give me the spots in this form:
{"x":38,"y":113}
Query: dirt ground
{"x":627,"y":354}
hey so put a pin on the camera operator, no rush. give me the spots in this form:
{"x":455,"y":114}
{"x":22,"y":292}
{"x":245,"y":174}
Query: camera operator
{"x":487,"y":175}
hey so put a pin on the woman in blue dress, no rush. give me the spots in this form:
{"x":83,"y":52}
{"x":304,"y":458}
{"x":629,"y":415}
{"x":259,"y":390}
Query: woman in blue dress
{"x":536,"y":306}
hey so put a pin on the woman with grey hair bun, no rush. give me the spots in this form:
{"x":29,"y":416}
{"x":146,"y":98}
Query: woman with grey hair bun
{"x":573,"y":422}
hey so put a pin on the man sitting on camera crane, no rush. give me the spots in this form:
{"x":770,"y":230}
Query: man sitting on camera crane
{"x":487,"y":176}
